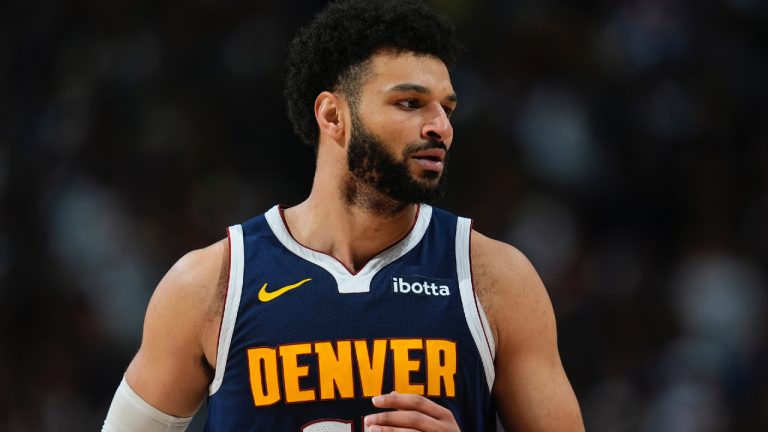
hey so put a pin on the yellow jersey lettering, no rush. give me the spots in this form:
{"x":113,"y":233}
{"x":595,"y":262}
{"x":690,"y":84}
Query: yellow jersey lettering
{"x":335,"y":369}
{"x":262,"y":369}
{"x":292,"y":372}
{"x":332,"y":366}
{"x":441,"y":367}
{"x":371,"y":367}
{"x":403,"y":365}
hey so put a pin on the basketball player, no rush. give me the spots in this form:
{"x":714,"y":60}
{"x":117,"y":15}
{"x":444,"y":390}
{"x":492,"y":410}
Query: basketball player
{"x":361,"y":308}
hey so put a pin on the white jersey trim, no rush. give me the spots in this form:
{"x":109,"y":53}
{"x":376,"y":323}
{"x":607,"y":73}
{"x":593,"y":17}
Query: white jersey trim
{"x":231,"y":305}
{"x":473,"y":310}
{"x":347,"y":282}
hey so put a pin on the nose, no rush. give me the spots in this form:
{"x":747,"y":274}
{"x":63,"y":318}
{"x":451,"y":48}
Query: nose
{"x":438,"y":126}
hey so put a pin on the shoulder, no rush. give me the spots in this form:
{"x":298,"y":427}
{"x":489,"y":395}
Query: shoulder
{"x":508,"y":287}
{"x":500,"y":268}
{"x":199,"y":270}
{"x":190,"y":297}
{"x":197,"y":275}
{"x":497,"y":258}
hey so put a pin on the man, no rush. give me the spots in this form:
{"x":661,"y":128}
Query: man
{"x":362,"y":308}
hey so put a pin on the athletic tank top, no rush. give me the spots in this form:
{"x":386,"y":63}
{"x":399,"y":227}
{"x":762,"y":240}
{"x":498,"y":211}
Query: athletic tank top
{"x":304,"y":343}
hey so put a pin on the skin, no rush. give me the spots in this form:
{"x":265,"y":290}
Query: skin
{"x":531,"y":389}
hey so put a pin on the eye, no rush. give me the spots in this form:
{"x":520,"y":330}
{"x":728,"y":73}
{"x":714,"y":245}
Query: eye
{"x":448,"y":110}
{"x":409,"y":104}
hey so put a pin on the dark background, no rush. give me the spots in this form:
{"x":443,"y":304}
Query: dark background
{"x":622,"y":146}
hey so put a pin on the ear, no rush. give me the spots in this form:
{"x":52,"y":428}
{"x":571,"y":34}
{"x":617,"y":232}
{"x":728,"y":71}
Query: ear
{"x":328,"y":113}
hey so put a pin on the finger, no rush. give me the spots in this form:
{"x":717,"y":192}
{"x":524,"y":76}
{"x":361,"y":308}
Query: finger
{"x":402,"y":420}
{"x":389,"y":429}
{"x":412,"y":402}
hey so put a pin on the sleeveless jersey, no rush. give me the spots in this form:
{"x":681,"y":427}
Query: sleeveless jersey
{"x":304,"y":343}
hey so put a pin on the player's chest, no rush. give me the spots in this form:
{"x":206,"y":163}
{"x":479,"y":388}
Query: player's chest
{"x":294,"y":303}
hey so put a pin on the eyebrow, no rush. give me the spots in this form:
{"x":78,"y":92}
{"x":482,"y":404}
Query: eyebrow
{"x":410,"y":87}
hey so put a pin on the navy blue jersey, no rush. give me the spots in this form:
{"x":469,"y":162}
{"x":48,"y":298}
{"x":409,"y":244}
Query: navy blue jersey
{"x":305,"y":343}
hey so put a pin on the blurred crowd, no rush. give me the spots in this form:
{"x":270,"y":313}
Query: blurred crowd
{"x":622,"y":146}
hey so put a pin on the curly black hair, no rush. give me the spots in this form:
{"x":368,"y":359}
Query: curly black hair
{"x":332,"y":52}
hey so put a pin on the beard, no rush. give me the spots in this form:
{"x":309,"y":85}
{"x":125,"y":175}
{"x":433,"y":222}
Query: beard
{"x":382,"y":183}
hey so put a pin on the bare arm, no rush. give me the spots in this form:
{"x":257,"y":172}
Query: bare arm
{"x":531,"y":389}
{"x":171,"y":370}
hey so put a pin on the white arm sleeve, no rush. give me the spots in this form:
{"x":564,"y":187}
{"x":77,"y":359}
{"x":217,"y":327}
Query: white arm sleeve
{"x":130,"y":413}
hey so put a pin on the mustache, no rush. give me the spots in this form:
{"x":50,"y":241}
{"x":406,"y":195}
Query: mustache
{"x":424,"y":145}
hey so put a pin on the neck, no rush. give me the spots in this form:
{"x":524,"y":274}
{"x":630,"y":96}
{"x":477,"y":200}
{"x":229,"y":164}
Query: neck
{"x":352,"y":232}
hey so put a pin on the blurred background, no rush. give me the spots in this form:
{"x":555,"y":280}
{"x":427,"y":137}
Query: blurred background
{"x":622,"y":146}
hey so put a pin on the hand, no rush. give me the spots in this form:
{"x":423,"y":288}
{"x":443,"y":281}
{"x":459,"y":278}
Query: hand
{"x":413,"y":413}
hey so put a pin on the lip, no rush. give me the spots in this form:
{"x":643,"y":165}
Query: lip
{"x":430,"y":153}
{"x":431,"y":159}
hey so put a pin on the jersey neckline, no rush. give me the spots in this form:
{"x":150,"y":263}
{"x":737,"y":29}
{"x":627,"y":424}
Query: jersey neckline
{"x":277,"y":224}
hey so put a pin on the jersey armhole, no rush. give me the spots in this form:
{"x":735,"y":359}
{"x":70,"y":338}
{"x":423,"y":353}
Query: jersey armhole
{"x":473,"y":310}
{"x":231,"y":304}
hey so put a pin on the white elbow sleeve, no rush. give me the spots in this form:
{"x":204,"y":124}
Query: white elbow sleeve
{"x":130,"y":413}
